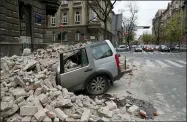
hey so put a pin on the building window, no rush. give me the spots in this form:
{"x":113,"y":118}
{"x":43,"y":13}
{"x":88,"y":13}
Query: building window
{"x":94,"y":15}
{"x":53,"y":20}
{"x":77,"y":36}
{"x":77,"y":17}
{"x":65,"y":19}
{"x":53,"y":37}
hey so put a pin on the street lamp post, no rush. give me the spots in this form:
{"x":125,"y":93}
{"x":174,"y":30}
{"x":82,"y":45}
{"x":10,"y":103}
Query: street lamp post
{"x":61,"y":26}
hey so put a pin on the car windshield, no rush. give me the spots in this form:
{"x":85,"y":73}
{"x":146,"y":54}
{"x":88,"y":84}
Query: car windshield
{"x":138,"y":46}
{"x":149,"y":46}
{"x":163,"y":46}
{"x":122,"y":46}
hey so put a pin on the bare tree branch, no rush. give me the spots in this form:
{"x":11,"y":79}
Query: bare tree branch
{"x":93,"y":8}
{"x":102,"y":12}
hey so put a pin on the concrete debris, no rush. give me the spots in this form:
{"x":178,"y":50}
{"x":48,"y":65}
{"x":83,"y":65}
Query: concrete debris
{"x":29,"y":91}
{"x":133,"y":109}
{"x":28,"y":110}
{"x":111,"y":105}
{"x":86,"y":115}
{"x":26,"y":52}
{"x":104,"y":111}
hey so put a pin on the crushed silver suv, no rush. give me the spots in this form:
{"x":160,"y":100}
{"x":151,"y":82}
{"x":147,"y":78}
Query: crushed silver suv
{"x":98,"y":66}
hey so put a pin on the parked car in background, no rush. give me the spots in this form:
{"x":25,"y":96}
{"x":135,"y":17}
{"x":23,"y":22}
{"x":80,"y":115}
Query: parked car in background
{"x":122,"y":48}
{"x":149,"y":48}
{"x":96,"y":67}
{"x":144,"y":46}
{"x":181,"y":48}
{"x":164,"y":48}
{"x":156,"y":47}
{"x":172,"y":48}
{"x":138,"y":48}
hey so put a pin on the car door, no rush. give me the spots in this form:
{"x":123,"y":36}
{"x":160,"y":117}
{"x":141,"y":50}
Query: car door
{"x":76,"y":77}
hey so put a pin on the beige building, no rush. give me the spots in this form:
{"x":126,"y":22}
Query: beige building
{"x":79,"y":22}
{"x":163,"y":16}
{"x":157,"y":29}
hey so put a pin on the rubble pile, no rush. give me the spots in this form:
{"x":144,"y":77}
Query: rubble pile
{"x":29,"y":92}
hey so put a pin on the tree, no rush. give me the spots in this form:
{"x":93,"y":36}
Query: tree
{"x":156,"y":30}
{"x":174,"y":31}
{"x":146,"y":38}
{"x":129,"y":23}
{"x":102,"y":11}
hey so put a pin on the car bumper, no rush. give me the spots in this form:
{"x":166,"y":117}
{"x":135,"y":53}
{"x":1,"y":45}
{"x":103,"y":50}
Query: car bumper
{"x":121,"y":72}
{"x":138,"y":50}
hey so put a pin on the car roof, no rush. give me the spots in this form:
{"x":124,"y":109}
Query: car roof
{"x":88,"y":45}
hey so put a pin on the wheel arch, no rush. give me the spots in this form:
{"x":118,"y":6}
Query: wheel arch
{"x":98,"y":73}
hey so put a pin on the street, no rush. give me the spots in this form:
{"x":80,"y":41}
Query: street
{"x":159,"y":78}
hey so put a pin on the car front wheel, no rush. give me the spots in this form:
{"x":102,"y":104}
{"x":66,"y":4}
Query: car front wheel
{"x":98,"y":85}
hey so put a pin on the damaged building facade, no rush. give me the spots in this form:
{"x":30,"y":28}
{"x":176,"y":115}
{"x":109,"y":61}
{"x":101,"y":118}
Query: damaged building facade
{"x":80,"y":24}
{"x":23,"y":24}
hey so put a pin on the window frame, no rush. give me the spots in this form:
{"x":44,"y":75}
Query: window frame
{"x":65,"y":18}
{"x":77,"y":16}
{"x":77,"y":36}
{"x":53,"y":20}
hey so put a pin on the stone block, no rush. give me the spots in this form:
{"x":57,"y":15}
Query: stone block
{"x":104,"y":111}
{"x":51,"y":114}
{"x":111,"y":105}
{"x":40,"y":115}
{"x":20,"y":99}
{"x":86,"y":115}
{"x":28,"y":110}
{"x":133,"y":109}
{"x":64,"y":103}
{"x":19,"y":81}
{"x":38,"y":91}
{"x":60,"y":114}
{"x":43,"y":98}
{"x":37,"y":103}
{"x":23,"y":103}
{"x":26,"y":119}
{"x":18,"y":92}
{"x":47,"y":119}
{"x":10,"y":111}
{"x":30,"y":65}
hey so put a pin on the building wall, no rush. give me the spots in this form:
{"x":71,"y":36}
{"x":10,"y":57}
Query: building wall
{"x":11,"y":37}
{"x":71,"y":28}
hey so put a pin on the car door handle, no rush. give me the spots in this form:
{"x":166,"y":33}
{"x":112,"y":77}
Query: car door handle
{"x":88,"y":69}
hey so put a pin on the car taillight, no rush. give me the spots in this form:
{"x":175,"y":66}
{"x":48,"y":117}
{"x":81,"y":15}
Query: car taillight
{"x":117,"y":61}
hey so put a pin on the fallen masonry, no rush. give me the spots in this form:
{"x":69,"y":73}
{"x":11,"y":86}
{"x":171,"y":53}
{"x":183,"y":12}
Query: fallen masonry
{"x":29,"y":92}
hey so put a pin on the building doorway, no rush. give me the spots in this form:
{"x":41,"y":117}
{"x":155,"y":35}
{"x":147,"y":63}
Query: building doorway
{"x":25,"y":16}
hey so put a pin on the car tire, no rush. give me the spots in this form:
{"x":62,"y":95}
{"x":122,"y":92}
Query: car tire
{"x":98,"y":85}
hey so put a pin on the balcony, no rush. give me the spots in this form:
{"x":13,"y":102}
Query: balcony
{"x":64,"y":6}
{"x":77,"y":4}
{"x":51,"y":6}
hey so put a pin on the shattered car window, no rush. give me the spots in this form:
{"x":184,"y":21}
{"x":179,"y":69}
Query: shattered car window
{"x":101,"y":51}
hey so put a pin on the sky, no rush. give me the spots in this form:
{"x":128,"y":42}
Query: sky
{"x":147,"y":11}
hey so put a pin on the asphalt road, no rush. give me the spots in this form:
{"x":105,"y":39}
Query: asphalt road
{"x":159,"y":78}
